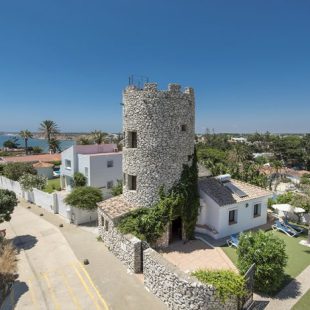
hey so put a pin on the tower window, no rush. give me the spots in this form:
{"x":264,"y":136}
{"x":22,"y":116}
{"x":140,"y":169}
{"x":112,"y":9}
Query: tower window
{"x":110,"y":163}
{"x":132,"y":182}
{"x":132,"y":139}
{"x":183,"y":127}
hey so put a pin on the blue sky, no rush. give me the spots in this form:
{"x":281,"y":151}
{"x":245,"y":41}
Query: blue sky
{"x":248,"y":61}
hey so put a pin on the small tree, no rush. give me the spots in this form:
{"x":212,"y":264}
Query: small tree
{"x":84,"y":197}
{"x":29,"y":181}
{"x":8,"y":202}
{"x":79,"y":179}
{"x":14,"y":171}
{"x":11,"y":143}
{"x":118,"y":188}
{"x":268,"y":254}
{"x":37,"y":150}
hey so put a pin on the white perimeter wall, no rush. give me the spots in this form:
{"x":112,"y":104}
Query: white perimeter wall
{"x":51,"y":202}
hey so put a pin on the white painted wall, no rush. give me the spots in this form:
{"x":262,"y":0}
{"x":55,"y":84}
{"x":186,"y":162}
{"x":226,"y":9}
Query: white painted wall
{"x":80,"y":216}
{"x":51,"y":202}
{"x":45,"y":171}
{"x":100,"y":174}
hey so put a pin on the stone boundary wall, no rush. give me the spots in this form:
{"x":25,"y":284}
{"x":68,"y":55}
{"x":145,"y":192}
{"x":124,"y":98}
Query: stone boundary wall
{"x":127,"y":248}
{"x":177,"y":289}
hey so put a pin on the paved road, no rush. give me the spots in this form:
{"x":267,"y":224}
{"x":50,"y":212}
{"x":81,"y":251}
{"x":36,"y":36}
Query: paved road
{"x":52,"y":277}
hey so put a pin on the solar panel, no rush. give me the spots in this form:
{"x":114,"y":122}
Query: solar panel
{"x":235,"y":190}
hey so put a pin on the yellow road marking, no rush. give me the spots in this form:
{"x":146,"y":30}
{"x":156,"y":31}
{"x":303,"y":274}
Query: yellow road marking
{"x":33,"y":296}
{"x":86,"y":287}
{"x":54,"y":299}
{"x":73,"y":296}
{"x":94,"y":287}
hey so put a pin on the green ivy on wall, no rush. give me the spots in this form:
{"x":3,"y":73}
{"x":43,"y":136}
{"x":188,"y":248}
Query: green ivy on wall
{"x":182,"y":200}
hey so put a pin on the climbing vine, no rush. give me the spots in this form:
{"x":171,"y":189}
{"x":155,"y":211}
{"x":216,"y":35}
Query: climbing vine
{"x":182,"y":200}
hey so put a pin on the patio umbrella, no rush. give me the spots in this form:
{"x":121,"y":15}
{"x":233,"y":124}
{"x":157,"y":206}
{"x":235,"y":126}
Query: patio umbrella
{"x":299,"y":210}
{"x":283,"y":207}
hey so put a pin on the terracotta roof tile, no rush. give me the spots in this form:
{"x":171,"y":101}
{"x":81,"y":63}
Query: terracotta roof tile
{"x":115,"y":207}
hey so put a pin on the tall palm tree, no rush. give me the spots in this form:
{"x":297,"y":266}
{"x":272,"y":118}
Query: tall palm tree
{"x":49,"y":129}
{"x":98,"y":136}
{"x":26,"y":134}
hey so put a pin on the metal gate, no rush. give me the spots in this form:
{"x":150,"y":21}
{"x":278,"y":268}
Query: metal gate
{"x":247,"y":301}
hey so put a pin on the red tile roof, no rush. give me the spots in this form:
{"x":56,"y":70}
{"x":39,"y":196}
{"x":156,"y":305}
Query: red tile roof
{"x":31,"y":158}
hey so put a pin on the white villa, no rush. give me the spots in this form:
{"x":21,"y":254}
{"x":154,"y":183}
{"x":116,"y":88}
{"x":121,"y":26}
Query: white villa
{"x":229,"y":206}
{"x":101,"y":165}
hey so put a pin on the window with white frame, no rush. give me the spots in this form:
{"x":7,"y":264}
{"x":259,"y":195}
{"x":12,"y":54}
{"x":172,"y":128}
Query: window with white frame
{"x":110,"y":163}
{"x":232,"y":217}
{"x":109,"y":184}
{"x":68,"y":164}
{"x":257,"y":210}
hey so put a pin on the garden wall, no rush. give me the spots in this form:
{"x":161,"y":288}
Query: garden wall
{"x":177,"y":289}
{"x":51,"y":202}
{"x":127,"y":248}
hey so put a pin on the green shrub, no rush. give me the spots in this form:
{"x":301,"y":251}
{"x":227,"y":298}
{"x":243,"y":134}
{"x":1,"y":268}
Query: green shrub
{"x":267,"y":252}
{"x":79,"y":179}
{"x":29,"y":181}
{"x":84,"y":197}
{"x":8,"y":202}
{"x":14,"y":171}
{"x":227,"y":283}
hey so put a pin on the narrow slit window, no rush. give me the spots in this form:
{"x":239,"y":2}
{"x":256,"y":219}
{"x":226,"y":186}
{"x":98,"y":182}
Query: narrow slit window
{"x":132,"y":182}
{"x":183,"y":127}
{"x":132,"y":139}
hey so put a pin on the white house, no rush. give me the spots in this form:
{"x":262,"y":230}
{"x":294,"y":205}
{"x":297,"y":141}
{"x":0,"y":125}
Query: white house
{"x":101,"y":165}
{"x":229,"y":206}
{"x":45,"y":169}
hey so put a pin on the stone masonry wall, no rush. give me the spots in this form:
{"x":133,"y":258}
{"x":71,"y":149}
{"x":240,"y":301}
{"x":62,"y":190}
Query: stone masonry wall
{"x":178,"y":290}
{"x":164,"y":122}
{"x":127,"y":248}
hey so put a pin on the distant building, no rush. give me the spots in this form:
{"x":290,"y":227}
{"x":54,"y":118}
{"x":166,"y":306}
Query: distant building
{"x":229,"y":206}
{"x":101,"y":165}
{"x":238,"y":140}
{"x":44,"y":169}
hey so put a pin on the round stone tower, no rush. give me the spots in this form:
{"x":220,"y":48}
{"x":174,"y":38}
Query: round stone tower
{"x":159,"y":139}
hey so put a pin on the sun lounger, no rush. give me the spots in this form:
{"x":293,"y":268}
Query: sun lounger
{"x":284,"y":228}
{"x":298,"y":229}
{"x":233,"y":241}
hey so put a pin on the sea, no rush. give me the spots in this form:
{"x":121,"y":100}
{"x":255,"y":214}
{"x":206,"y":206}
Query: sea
{"x":64,"y":144}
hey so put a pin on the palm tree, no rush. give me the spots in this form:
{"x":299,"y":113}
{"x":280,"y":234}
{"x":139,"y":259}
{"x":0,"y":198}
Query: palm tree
{"x":49,"y":129}
{"x":85,"y":140}
{"x":98,"y":136}
{"x":26,"y":134}
{"x":54,"y":145}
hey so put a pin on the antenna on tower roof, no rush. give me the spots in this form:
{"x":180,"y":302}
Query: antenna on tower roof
{"x":138,"y":80}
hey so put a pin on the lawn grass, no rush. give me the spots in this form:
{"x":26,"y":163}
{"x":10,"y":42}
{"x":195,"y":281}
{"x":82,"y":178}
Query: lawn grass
{"x":298,"y":255}
{"x":303,"y":303}
{"x":52,"y":185}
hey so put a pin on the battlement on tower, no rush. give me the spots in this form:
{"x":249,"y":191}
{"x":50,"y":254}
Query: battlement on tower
{"x":152,"y":87}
